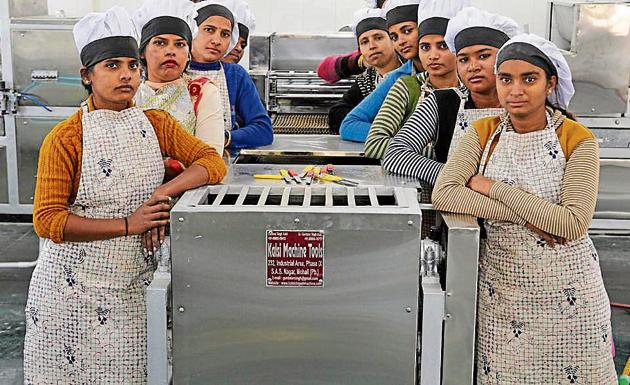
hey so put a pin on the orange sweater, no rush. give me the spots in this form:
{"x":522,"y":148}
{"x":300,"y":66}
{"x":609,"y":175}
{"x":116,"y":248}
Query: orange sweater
{"x":59,"y":167}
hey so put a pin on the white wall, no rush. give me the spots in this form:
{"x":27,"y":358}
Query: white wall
{"x":322,"y":16}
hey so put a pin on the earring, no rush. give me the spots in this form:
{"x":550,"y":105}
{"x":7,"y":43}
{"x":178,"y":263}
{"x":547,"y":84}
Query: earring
{"x":86,"y":82}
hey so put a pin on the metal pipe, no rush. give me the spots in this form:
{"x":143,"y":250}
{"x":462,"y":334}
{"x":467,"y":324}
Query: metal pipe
{"x":18,"y":265}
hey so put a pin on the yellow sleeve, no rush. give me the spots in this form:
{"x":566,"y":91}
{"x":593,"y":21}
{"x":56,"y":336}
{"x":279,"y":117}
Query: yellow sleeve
{"x":58,"y":171}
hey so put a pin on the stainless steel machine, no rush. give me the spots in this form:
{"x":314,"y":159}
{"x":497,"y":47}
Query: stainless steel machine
{"x":283,"y":67}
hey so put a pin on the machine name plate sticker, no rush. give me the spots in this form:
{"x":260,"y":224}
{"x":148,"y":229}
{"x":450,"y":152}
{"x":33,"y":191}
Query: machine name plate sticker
{"x":295,"y":258}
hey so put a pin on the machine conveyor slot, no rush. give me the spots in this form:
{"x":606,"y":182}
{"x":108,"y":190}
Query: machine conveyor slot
{"x":297,"y":197}
{"x":303,"y":196}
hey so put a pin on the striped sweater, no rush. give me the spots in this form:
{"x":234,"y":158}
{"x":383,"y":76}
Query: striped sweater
{"x":404,"y":155}
{"x":393,"y":114}
{"x":570,"y":219}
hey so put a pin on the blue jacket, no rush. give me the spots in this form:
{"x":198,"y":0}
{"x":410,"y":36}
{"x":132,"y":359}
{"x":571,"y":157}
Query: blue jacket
{"x":356,"y":124}
{"x":245,"y":103}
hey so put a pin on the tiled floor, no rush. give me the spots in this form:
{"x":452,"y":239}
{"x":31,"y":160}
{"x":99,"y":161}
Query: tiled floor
{"x":19,"y":243}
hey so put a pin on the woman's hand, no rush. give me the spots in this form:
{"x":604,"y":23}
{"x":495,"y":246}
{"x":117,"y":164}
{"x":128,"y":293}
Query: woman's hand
{"x":551,"y":240}
{"x":480,"y":184}
{"x":150,"y":219}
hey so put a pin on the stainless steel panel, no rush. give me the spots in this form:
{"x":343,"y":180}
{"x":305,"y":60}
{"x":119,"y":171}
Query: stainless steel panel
{"x":20,"y":8}
{"x":259,"y":52}
{"x":30,"y":133}
{"x":432,"y":331}
{"x":2,"y":131}
{"x":311,"y":143}
{"x":613,"y":138}
{"x":462,"y":256}
{"x":613,"y":201}
{"x":4,"y":186}
{"x":229,"y":328}
{"x":598,"y":37}
{"x":29,"y":46}
{"x":291,"y":52}
{"x":365,"y":175}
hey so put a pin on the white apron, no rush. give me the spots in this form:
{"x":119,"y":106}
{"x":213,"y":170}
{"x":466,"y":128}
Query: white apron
{"x":465,"y":118}
{"x":86,"y":313}
{"x":172,"y":98}
{"x":218,"y":78}
{"x":543,"y":313}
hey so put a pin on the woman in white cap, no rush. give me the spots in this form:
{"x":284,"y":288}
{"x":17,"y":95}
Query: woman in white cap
{"x":167,"y":29}
{"x":336,"y":67}
{"x":99,"y":197}
{"x":408,"y":91}
{"x":532,"y":173}
{"x":433,"y":131}
{"x":401,"y":17}
{"x":245,"y":119}
{"x":378,"y":52}
{"x":246,"y":24}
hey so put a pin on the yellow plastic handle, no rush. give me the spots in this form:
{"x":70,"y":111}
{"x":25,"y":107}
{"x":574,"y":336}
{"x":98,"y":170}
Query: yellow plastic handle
{"x":330,"y":178}
{"x":284,"y":173}
{"x":268,"y":176}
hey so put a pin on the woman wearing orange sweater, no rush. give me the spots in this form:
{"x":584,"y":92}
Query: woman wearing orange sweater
{"x":532,"y":173}
{"x":99,"y":197}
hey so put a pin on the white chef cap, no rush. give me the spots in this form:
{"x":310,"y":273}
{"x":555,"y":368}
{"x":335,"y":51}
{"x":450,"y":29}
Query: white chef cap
{"x":398,"y":11}
{"x":374,"y":3}
{"x":101,"y":36}
{"x":472,"y":26}
{"x":543,"y":54}
{"x":434,"y":15}
{"x":367,"y":19}
{"x":223,"y":8}
{"x":246,"y":20}
{"x":160,"y":17}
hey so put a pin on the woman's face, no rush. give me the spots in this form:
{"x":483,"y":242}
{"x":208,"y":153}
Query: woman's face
{"x":166,"y":57}
{"x":236,"y":54}
{"x":213,"y":40}
{"x":435,"y":56}
{"x":377,"y":48}
{"x":475,"y":65}
{"x":405,"y":38}
{"x":523,"y":88}
{"x":114,"y":81}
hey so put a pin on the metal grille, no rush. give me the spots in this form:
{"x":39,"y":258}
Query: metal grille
{"x":315,"y":124}
{"x":324,"y":196}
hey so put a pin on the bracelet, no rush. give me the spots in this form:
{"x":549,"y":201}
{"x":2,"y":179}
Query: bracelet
{"x":126,"y":227}
{"x":228,"y":138}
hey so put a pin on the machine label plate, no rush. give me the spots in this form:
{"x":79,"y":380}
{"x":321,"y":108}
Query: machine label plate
{"x":295,"y":258}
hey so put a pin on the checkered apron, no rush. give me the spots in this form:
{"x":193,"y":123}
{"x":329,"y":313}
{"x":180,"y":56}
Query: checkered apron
{"x":218,"y":77}
{"x":172,"y":98}
{"x":86,"y":314}
{"x":543,"y":313}
{"x":465,"y":118}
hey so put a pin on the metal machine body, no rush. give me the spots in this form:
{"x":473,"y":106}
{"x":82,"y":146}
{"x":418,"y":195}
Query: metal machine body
{"x":283,"y":67}
{"x":356,"y":325}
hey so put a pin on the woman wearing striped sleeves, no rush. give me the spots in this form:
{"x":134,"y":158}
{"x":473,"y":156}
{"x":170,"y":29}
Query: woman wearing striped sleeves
{"x":432,"y":132}
{"x":532,"y":173}
{"x":408,"y":91}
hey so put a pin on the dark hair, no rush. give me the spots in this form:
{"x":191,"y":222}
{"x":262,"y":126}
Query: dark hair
{"x":564,"y":112}
{"x":88,"y":87}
